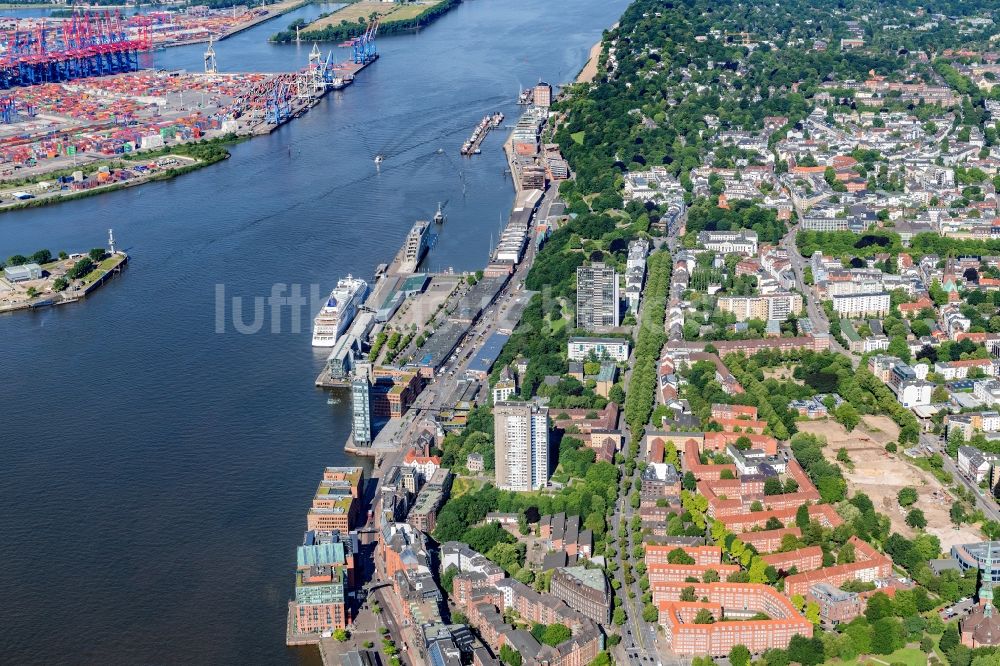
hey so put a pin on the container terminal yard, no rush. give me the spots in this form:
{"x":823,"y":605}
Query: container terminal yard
{"x":75,"y":120}
{"x":163,"y":29}
{"x":198,"y":24}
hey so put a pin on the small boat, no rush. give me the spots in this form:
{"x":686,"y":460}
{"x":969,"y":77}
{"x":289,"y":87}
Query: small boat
{"x":439,"y":215}
{"x":378,"y":159}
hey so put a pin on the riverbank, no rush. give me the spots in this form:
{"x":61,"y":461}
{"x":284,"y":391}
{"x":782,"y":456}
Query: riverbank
{"x":59,"y":282}
{"x":589,"y":71}
{"x":352,"y":20}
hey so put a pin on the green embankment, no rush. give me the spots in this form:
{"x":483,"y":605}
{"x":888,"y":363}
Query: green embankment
{"x":348,"y":29}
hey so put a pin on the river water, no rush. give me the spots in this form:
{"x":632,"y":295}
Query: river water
{"x":154,"y":471}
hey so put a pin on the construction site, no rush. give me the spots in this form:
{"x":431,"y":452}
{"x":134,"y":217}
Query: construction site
{"x":75,"y":102}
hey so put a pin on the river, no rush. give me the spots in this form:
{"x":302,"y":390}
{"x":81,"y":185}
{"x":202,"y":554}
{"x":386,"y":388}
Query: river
{"x":156,"y":471}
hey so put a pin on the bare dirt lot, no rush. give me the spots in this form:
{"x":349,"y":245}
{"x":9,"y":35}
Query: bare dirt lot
{"x":881,"y":475}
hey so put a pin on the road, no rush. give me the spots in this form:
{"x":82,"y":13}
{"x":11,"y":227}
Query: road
{"x":983,"y":502}
{"x":815,"y":312}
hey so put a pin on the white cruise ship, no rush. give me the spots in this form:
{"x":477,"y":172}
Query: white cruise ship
{"x":338,"y":311}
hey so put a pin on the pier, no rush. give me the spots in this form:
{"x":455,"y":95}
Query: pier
{"x":471,"y":147}
{"x":30,"y":287}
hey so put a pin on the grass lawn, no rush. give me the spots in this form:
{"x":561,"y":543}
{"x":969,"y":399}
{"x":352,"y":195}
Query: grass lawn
{"x":578,"y":137}
{"x":387,"y":11}
{"x":462,"y":485}
{"x":101,"y":269}
{"x":911,"y":656}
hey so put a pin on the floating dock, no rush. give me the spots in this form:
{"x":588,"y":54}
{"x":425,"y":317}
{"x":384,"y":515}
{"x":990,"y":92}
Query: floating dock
{"x":471,"y":147}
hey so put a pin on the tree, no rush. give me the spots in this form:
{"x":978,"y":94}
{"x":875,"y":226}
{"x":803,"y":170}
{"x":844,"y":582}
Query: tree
{"x":704,"y":616}
{"x":949,"y":638}
{"x":772,"y":486}
{"x":687,"y":594}
{"x":806,"y":651}
{"x":906,"y":496}
{"x":649,"y":613}
{"x":802,"y":516}
{"x":887,"y":636}
{"x":957,"y":513}
{"x":555,"y":634}
{"x":689,"y":483}
{"x":618,"y":617}
{"x":879,"y":607}
{"x":97,"y":255}
{"x":678,"y":556}
{"x":739,"y":655}
{"x":812,"y":612}
{"x":847,"y":416}
{"x":340,"y":635}
{"x":509,"y":655}
{"x":710,"y":576}
{"x":41,"y":257}
{"x":60,"y":284}
{"x":80,"y":269}
{"x":915,"y":518}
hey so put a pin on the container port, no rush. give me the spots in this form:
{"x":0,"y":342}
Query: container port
{"x":471,"y":147}
{"x":75,"y":135}
{"x":199,"y":23}
{"x":81,"y":46}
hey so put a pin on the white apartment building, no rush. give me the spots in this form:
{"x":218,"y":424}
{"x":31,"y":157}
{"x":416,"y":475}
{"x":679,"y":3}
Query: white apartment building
{"x":768,"y":306}
{"x":987,"y":390}
{"x":862,"y":305}
{"x":521,"y":441}
{"x":743,"y":241}
{"x":579,"y":349}
{"x":960,"y":369}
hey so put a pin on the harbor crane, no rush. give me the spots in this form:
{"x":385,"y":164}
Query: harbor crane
{"x":363,"y":47}
{"x":211,"y":67}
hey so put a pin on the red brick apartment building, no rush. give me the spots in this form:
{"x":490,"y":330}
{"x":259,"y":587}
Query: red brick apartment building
{"x":803,"y":559}
{"x":733,"y":600}
{"x":678,"y":573}
{"x":657,"y":554}
{"x":870,"y":565}
{"x":823,"y":513}
{"x":768,"y":541}
{"x":692,"y":463}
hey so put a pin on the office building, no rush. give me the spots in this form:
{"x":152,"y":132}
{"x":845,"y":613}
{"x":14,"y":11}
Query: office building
{"x":521,"y":441}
